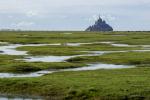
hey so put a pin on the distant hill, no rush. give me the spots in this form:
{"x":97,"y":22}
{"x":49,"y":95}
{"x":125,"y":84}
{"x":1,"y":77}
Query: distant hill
{"x":100,"y":25}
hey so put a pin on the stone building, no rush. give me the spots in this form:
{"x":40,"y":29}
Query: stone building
{"x":100,"y":25}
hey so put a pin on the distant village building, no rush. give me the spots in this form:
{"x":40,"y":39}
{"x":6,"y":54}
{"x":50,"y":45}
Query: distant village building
{"x":100,"y":25}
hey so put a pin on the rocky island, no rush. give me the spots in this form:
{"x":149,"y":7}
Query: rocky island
{"x":100,"y":25}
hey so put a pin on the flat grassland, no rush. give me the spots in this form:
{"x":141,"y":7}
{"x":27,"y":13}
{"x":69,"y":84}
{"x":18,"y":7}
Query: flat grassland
{"x":131,"y":83}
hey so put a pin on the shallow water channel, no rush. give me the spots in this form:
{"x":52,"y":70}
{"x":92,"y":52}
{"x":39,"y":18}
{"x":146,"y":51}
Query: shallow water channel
{"x":10,"y":49}
{"x":86,"y":68}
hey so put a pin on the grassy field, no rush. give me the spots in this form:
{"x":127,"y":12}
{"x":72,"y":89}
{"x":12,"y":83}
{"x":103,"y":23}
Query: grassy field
{"x":121,"y":84}
{"x":101,"y":84}
{"x":60,"y":37}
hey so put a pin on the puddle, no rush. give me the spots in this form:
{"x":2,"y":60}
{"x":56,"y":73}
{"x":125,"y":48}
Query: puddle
{"x":107,"y":42}
{"x":61,"y":58}
{"x":121,"y":45}
{"x":34,"y":74}
{"x":25,"y":35}
{"x":18,"y":98}
{"x":98,"y":53}
{"x":118,"y":35}
{"x":140,"y":50}
{"x":76,"y":44}
{"x":11,"y":48}
{"x":86,"y":68}
{"x":99,"y":66}
{"x":47,"y":58}
{"x":125,"y":45}
{"x":68,"y":33}
{"x":117,"y":45}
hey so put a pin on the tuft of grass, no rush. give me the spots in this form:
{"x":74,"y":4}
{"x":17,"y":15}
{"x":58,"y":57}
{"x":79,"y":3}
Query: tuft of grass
{"x":25,"y":68}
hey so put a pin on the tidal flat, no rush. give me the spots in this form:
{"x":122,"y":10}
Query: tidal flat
{"x":76,"y":65}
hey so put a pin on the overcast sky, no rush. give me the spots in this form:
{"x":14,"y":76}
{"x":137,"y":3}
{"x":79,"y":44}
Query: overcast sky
{"x":74,"y":14}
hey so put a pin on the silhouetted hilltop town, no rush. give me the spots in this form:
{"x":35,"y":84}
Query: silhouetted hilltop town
{"x":100,"y":25}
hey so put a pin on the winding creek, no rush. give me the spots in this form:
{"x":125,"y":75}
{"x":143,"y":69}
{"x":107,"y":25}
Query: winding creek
{"x":86,"y":68}
{"x":10,"y":49}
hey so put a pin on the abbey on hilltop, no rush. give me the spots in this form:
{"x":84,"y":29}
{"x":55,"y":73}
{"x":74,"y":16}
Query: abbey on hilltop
{"x":100,"y":25}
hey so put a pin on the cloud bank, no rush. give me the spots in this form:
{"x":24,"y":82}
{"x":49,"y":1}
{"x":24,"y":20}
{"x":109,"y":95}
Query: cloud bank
{"x":74,"y":14}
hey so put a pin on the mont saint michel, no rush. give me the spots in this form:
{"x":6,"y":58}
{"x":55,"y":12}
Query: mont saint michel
{"x":100,"y":25}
